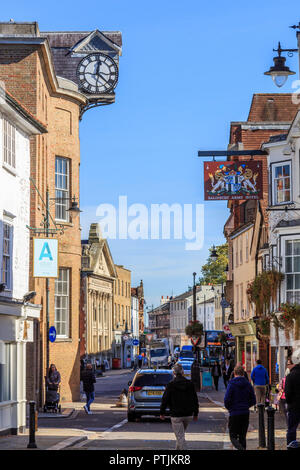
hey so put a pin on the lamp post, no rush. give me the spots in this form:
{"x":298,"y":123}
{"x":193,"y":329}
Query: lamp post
{"x":194,"y":298}
{"x":47,"y":231}
{"x":279,"y":71}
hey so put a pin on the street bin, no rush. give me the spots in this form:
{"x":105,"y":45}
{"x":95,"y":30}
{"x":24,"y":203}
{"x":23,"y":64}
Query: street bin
{"x":116,"y":363}
{"x":206,"y":380}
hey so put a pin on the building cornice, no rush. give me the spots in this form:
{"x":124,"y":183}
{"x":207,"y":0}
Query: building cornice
{"x":43,"y":43}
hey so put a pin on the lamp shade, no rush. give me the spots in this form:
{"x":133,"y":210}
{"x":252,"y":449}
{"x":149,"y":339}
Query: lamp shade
{"x":279,"y":72}
{"x":214,"y":255}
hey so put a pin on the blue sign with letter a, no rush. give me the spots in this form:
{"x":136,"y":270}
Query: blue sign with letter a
{"x":45,"y":257}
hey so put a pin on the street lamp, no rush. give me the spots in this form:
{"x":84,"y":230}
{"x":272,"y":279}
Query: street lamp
{"x":214,"y":255}
{"x":279,"y":71}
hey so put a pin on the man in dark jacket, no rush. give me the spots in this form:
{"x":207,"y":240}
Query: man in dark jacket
{"x":88,"y":379}
{"x":292,"y":397}
{"x":227,"y":369}
{"x":238,"y":399}
{"x":181,"y":398}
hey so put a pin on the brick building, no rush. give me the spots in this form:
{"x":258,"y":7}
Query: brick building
{"x":246,"y":229}
{"x":159,"y":320}
{"x":43,"y":71}
{"x":139,"y":293}
{"x":122,"y":315}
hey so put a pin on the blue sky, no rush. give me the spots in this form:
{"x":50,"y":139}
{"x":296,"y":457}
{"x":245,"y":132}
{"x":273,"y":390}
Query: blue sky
{"x":187,"y":70}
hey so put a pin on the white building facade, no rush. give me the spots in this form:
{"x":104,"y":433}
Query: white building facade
{"x":179,"y":319}
{"x":283,"y":250}
{"x":134,"y":324}
{"x":16,"y":316}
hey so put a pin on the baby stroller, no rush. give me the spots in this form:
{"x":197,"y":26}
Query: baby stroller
{"x":52,"y":399}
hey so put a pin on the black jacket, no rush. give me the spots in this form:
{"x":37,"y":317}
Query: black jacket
{"x":216,"y":370}
{"x":181,"y":398}
{"x":88,"y":379}
{"x":292,"y":389}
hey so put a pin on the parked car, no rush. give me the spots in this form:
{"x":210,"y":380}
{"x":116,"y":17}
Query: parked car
{"x":145,"y":392}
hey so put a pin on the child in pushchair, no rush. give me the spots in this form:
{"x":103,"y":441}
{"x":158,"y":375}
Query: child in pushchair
{"x":52,"y":400}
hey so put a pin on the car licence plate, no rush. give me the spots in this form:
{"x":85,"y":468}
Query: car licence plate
{"x":154,"y":393}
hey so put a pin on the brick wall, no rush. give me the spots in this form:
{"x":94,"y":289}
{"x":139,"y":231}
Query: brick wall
{"x":23,"y":71}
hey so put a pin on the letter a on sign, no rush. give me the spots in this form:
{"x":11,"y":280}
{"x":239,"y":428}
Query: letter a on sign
{"x":45,"y":257}
{"x":46,"y":253}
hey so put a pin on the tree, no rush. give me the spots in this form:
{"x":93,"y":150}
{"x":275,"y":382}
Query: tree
{"x":214,"y":272}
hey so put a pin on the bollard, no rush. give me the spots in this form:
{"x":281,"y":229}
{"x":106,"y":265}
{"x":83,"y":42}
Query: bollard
{"x":271,"y":428}
{"x":32,"y":426}
{"x":261,"y":425}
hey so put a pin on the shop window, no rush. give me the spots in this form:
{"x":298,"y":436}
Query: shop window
{"x":5,"y":382}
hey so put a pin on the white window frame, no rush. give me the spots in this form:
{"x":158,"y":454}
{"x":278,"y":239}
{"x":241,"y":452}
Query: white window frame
{"x":285,"y":290}
{"x":274,"y":191}
{"x":8,"y":255}
{"x":62,"y":194}
{"x":66,"y":308}
{"x":9,"y":144}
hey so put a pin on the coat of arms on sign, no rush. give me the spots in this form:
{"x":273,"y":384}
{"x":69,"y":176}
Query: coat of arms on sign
{"x":232,"y":180}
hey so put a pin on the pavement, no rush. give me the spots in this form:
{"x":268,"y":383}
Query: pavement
{"x":217,"y":397}
{"x":58,"y":438}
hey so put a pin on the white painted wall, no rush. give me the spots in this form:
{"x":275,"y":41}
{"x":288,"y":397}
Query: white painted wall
{"x":15,"y":210}
{"x":15,"y":193}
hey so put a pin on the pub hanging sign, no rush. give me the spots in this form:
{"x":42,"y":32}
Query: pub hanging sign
{"x":240,"y":180}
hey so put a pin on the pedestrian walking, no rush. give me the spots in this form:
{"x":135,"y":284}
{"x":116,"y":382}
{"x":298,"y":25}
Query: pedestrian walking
{"x":227,"y":370}
{"x":216,"y":373}
{"x":181,"y":398}
{"x":53,"y":378}
{"x":239,"y":398}
{"x":245,"y":373}
{"x":260,"y":379}
{"x":88,"y":379}
{"x":292,"y":397}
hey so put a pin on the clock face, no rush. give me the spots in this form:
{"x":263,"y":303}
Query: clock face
{"x":97,"y":73}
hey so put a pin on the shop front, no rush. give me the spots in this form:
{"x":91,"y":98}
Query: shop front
{"x":247,"y":347}
{"x":16,"y":330}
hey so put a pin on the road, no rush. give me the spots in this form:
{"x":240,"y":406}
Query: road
{"x":108,"y":428}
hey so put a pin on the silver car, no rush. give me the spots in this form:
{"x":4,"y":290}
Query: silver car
{"x":145,"y":392}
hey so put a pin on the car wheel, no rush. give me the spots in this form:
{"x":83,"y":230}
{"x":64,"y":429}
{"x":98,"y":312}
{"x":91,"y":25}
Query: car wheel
{"x":131,"y":417}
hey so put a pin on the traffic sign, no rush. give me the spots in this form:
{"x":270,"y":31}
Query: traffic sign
{"x":195,"y":340}
{"x":226,"y":328}
{"x":135,"y":342}
{"x":125,"y":337}
{"x":52,"y":334}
